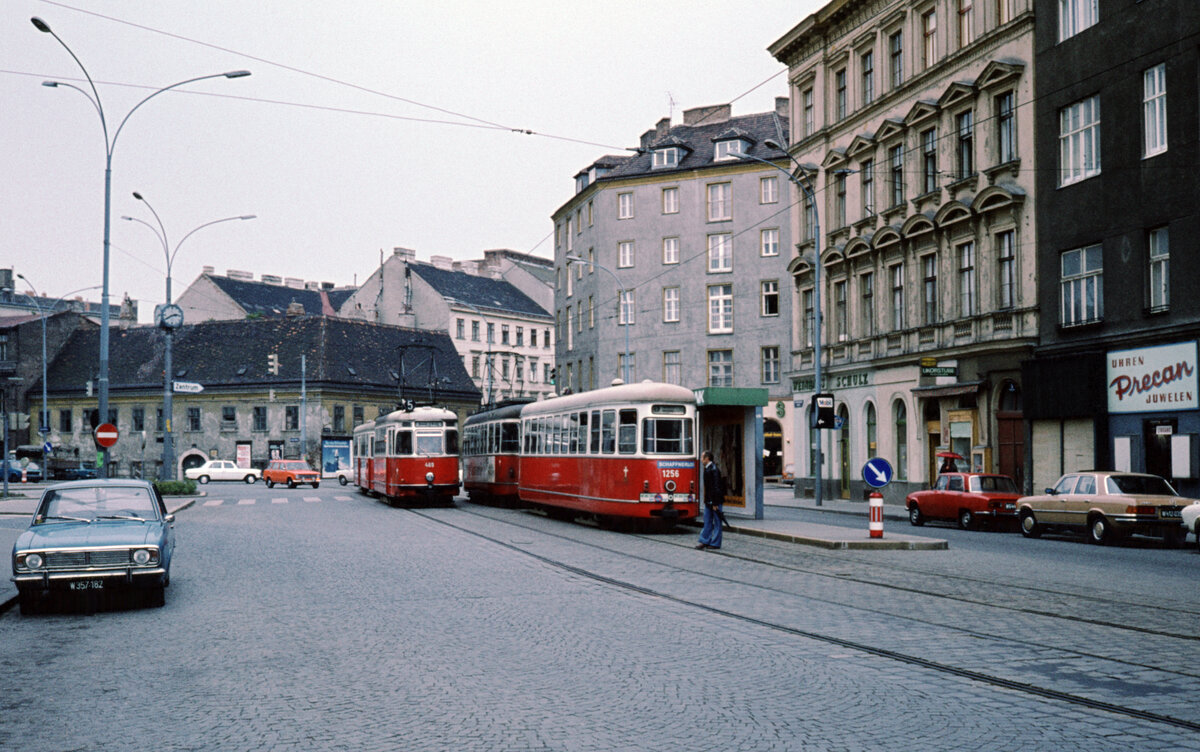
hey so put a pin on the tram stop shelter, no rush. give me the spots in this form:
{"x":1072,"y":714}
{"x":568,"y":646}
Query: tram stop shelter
{"x":731,"y":427}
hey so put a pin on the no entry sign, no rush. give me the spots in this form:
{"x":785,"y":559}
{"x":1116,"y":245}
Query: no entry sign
{"x":106,"y":435}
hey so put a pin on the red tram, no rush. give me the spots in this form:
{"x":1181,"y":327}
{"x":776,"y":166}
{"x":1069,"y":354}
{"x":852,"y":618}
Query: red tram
{"x":491,"y":448}
{"x":625,"y":451}
{"x":409,"y":456}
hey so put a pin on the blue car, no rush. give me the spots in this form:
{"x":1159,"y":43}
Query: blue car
{"x":95,"y":538}
{"x":31,"y":473}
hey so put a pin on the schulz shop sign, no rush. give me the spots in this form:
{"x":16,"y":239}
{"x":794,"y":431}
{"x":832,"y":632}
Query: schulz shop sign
{"x":1151,"y":379}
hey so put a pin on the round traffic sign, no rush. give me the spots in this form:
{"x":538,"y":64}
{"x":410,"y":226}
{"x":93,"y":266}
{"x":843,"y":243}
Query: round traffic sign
{"x":877,"y":472}
{"x":106,"y":435}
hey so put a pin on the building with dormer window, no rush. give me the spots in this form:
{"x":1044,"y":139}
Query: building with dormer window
{"x":917,"y":138}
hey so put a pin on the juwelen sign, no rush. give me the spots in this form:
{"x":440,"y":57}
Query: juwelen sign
{"x":1153,"y":379}
{"x":106,"y":435}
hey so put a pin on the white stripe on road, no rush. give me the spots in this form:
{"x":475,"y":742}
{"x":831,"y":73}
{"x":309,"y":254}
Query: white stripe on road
{"x":214,"y":502}
{"x":245,"y":502}
{"x":278,"y":501}
{"x":312,"y":498}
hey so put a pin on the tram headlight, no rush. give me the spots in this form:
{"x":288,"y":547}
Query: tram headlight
{"x":429,"y":478}
{"x":670,"y":486}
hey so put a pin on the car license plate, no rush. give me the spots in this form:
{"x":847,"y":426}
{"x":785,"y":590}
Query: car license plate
{"x":87,"y":585}
{"x":1170,"y":513}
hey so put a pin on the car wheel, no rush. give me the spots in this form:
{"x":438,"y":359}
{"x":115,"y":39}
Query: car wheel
{"x":1197,"y":531}
{"x":203,"y":479}
{"x":1175,"y":536}
{"x":156,"y":597}
{"x":342,"y":480}
{"x":1100,"y":530}
{"x":291,"y":483}
{"x":249,"y":479}
{"x":315,"y":484}
{"x":915,"y":518}
{"x":270,"y":484}
{"x":30,"y":604}
{"x":966,"y":520}
{"x":1029,"y":525}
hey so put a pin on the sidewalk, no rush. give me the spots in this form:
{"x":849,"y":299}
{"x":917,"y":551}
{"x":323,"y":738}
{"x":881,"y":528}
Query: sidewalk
{"x":779,"y":526}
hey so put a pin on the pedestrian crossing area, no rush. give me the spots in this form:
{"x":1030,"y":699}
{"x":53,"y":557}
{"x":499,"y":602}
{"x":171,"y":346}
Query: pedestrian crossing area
{"x":249,"y":502}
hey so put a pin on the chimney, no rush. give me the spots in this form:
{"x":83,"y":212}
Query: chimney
{"x":781,"y":106}
{"x":312,"y":286}
{"x":293,"y":282}
{"x":662,"y":128}
{"x":442,"y":262}
{"x":272,"y":279}
{"x":647,"y":139}
{"x":295,"y":309}
{"x":206,"y":270}
{"x":405,"y":253}
{"x":238,"y":274}
{"x":707,"y":115}
{"x":326,"y":285}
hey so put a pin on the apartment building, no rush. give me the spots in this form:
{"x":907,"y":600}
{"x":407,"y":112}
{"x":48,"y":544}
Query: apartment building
{"x":913,"y":121}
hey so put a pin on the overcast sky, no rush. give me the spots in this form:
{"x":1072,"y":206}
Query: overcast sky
{"x":366,"y":125}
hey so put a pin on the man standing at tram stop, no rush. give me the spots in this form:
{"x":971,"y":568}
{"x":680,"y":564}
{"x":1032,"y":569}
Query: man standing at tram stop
{"x":712,"y":485}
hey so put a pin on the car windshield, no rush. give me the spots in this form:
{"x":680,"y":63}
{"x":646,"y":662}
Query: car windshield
{"x":97,"y":502}
{"x":1140,"y":485}
{"x":993,"y":484}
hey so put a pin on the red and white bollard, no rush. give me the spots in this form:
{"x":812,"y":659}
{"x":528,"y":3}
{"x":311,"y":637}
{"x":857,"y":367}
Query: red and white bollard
{"x":876,"y":519}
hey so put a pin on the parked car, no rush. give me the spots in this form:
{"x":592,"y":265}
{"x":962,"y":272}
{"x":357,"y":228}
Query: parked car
{"x":221,"y":470}
{"x":1189,"y":518}
{"x":31,"y":472}
{"x":90,"y":537}
{"x":73,"y":473}
{"x":967,"y":498}
{"x":1108,"y":506}
{"x":291,"y":472}
{"x":344,"y":475}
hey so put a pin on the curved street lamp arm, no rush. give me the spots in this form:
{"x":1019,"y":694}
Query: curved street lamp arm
{"x":201,"y":227}
{"x":42,"y":26}
{"x":117,"y":133}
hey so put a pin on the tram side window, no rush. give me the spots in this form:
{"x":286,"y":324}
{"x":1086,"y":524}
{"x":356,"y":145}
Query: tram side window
{"x":666,"y":436}
{"x":510,"y":437}
{"x":451,"y":441}
{"x":608,"y":432}
{"x":573,"y":425}
{"x":404,"y":443}
{"x":564,"y":433}
{"x":595,"y":432}
{"x":627,"y":433}
{"x":381,"y":443}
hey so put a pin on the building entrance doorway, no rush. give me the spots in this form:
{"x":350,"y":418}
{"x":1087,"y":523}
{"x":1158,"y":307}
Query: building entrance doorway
{"x":772,"y":448}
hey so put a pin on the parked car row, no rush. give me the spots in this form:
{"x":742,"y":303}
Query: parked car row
{"x":1107,"y":506}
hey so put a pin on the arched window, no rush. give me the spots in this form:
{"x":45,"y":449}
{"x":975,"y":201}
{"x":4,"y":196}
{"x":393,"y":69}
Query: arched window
{"x":872,"y":445}
{"x":901,"y":415}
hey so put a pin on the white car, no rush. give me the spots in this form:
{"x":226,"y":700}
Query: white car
{"x":221,"y":470}
{"x":1190,"y":516}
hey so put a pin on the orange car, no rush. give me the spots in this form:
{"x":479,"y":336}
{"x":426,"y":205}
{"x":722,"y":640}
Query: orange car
{"x":291,"y":472}
{"x":967,"y":498}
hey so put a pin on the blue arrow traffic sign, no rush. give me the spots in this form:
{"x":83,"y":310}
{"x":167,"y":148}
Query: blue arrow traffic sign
{"x":877,"y":472}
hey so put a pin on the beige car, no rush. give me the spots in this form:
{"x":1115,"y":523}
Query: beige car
{"x":1107,"y":505}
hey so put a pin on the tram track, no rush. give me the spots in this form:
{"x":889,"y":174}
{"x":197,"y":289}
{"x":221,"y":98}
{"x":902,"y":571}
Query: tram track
{"x":858,"y":645}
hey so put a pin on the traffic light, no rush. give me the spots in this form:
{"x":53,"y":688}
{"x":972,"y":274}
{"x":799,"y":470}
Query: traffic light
{"x":273,"y":363}
{"x":553,"y":374}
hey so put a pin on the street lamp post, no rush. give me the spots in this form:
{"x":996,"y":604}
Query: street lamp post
{"x":109,"y":145}
{"x":44,"y":413}
{"x":807,"y":192}
{"x":169,"y":326}
{"x":621,"y":299}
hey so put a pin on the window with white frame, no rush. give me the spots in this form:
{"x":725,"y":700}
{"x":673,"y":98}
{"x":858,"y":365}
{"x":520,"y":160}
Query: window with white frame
{"x":720,"y":202}
{"x":808,"y":324}
{"x":839,"y":199}
{"x":840,"y":318}
{"x":720,"y":309}
{"x":839,"y":78}
{"x":966,"y":22}
{"x":929,"y":285}
{"x":720,"y":367}
{"x":866,"y":293}
{"x":670,"y":200}
{"x":1005,"y":270}
{"x":768,"y":190}
{"x":460,"y":330}
{"x":666,"y":157}
{"x":628,"y":307}
{"x":966,"y":144}
{"x":897,"y":274}
{"x":769,"y":295}
{"x":1076,"y":15}
{"x":806,"y":104}
{"x":625,"y":254}
{"x":672,"y":367}
{"x":1079,"y":140}
{"x":1082,"y":285}
{"x":867,"y":69}
{"x":866,"y":174}
{"x":670,"y":251}
{"x":591,"y":321}
{"x":720,"y":252}
{"x":768,"y":242}
{"x":729,"y":149}
{"x":579,"y":316}
{"x":621,"y":359}
{"x":770,"y":365}
{"x":810,"y":217}
{"x":624,"y":206}
{"x":1006,"y":129}
{"x":1154,"y":110}
{"x":1160,"y":272}
{"x":670,"y":305}
{"x":967,"y":298}
{"x":896,"y":58}
{"x":929,"y":47}
{"x":896,"y":174}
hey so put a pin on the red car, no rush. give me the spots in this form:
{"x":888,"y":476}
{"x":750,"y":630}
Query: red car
{"x":967,"y":498}
{"x":291,"y":472}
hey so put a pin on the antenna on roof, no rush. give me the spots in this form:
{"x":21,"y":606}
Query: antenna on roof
{"x":670,"y":106}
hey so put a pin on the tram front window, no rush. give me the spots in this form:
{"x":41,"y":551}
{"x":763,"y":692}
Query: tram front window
{"x":451,"y":442}
{"x":667,"y":436}
{"x":429,"y":444}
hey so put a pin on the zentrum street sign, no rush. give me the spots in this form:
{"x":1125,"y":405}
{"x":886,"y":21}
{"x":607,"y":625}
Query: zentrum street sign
{"x":187,"y":387}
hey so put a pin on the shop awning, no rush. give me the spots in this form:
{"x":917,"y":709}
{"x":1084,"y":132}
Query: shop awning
{"x":948,"y":390}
